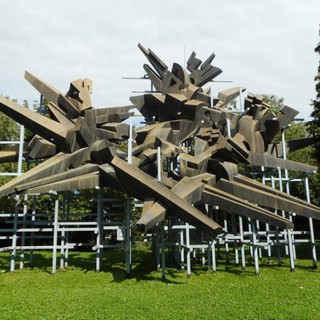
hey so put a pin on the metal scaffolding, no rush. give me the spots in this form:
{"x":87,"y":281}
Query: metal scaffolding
{"x":182,"y":240}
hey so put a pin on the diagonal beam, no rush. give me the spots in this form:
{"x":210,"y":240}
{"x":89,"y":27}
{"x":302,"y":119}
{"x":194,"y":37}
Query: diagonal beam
{"x":231,"y":203}
{"x":189,"y":190}
{"x":60,"y":116}
{"x":267,"y":161}
{"x":257,"y":185}
{"x":52,"y":166}
{"x":262,"y":197}
{"x":86,"y":181}
{"x":38,"y":124}
{"x":52,"y":95}
{"x":72,"y":173}
{"x":136,"y":181}
{"x":152,"y":213}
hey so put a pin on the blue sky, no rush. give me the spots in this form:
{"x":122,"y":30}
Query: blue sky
{"x":264,"y":46}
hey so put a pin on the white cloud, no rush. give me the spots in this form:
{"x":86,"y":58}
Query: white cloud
{"x":265,"y":46}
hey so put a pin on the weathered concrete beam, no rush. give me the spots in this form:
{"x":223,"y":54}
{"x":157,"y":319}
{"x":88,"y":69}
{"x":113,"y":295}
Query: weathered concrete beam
{"x":266,"y":199}
{"x":189,"y":190}
{"x":258,"y":159}
{"x":58,"y":163}
{"x":53,"y":95}
{"x":136,"y":181}
{"x":49,"y":129}
{"x":86,"y":181}
{"x":71,"y":173}
{"x":231,"y":203}
{"x":152,"y":214}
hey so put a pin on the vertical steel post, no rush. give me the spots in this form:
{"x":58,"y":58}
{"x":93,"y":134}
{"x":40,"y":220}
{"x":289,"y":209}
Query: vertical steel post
{"x":128,"y":238}
{"x":130,"y":142}
{"x":63,"y":234}
{"x":269,"y":252}
{"x":20,"y":157}
{"x":161,"y":225}
{"x":286,"y":176}
{"x":243,"y":252}
{"x":128,"y":220}
{"x":66,"y":254}
{"x":156,"y":239}
{"x":291,"y":252}
{"x":159,"y":163}
{"x":55,"y":236}
{"x":14,"y":235}
{"x":62,"y":249}
{"x":203,"y":258}
{"x":235,"y":241}
{"x":240,"y":100}
{"x":209,"y":254}
{"x":99,"y":229}
{"x":284,"y":153}
{"x":228,"y":128}
{"x":250,"y":232}
{"x":182,"y":249}
{"x":16,"y":211}
{"x":277,"y":229}
{"x":188,"y":250}
{"x":33,"y":218}
{"x":312,"y":238}
{"x":285,"y":233}
{"x":255,"y":247}
{"x":278,"y":246}
{"x":225,"y":227}
{"x":213,"y":252}
{"x":23,"y":235}
{"x":163,"y":253}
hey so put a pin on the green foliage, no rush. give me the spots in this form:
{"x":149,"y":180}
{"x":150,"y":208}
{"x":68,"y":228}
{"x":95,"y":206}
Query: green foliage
{"x":306,"y":155}
{"x":315,"y":122}
{"x":41,"y":107}
{"x":82,"y":293}
{"x":9,"y":129}
{"x":123,"y":146}
{"x":314,"y":182}
{"x":314,"y":129}
{"x":275,"y":103}
{"x":298,"y":130}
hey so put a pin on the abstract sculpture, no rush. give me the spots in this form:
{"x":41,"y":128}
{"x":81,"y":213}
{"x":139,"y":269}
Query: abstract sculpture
{"x":201,"y":144}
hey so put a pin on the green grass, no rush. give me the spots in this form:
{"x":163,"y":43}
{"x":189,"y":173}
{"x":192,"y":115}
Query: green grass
{"x":230,"y":293}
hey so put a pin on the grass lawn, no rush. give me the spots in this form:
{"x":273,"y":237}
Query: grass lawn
{"x":230,"y":293}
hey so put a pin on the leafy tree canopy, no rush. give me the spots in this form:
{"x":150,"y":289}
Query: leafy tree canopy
{"x":315,"y":122}
{"x":275,"y":103}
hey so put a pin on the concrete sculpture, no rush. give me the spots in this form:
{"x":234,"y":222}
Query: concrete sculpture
{"x":201,"y":144}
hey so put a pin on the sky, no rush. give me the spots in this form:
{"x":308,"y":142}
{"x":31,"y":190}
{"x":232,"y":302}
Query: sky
{"x":265,"y":46}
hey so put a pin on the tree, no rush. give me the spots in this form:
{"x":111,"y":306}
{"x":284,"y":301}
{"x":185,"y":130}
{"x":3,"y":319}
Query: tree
{"x":314,"y":124}
{"x":275,"y":103}
{"x":306,"y":155}
{"x":9,"y":129}
{"x":314,"y":129}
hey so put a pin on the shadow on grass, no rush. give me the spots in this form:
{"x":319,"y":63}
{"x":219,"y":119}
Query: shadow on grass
{"x":144,"y":267}
{"x":35,"y":261}
{"x":305,"y":264}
